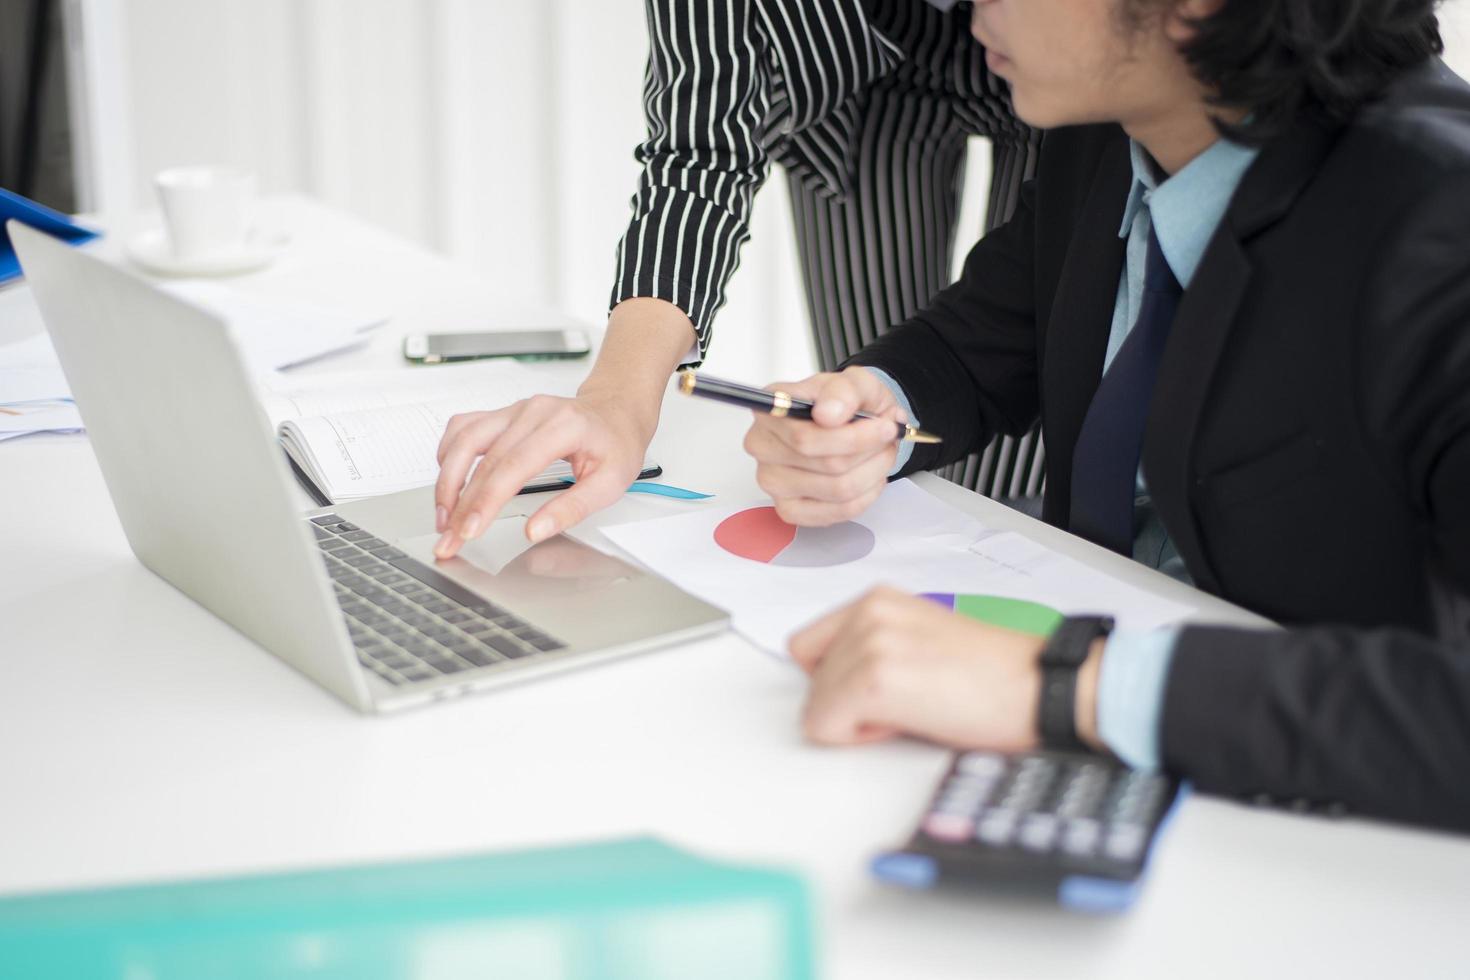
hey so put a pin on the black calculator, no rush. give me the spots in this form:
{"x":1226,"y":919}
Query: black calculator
{"x":1070,"y":825}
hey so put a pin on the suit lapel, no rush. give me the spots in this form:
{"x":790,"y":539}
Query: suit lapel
{"x":1202,"y":328}
{"x":1081,"y":318}
{"x":1195,"y":343}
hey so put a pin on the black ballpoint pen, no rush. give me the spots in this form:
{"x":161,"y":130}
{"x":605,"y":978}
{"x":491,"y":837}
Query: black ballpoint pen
{"x":777,"y":403}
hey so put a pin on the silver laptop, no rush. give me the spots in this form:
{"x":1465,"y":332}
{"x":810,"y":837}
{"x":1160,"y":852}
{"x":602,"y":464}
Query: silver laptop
{"x":352,"y":597}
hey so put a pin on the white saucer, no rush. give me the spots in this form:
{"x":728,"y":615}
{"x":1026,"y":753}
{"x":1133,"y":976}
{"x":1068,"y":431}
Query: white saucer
{"x":151,"y":250}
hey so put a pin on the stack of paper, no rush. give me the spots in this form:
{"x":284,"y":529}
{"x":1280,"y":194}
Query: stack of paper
{"x":276,"y":333}
{"x":272,"y":333}
{"x":33,"y":392}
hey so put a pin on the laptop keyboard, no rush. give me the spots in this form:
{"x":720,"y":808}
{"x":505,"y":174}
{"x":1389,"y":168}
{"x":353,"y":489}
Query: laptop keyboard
{"x":408,"y":623}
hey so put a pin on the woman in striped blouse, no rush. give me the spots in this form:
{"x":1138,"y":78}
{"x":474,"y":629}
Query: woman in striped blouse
{"x":868,"y":106}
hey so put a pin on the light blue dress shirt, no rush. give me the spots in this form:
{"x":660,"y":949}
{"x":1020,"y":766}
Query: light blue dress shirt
{"x":1186,"y":209}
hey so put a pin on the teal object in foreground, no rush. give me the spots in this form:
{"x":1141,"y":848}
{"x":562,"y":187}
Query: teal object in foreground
{"x":624,"y":910}
{"x":664,"y":490}
{"x":658,"y":490}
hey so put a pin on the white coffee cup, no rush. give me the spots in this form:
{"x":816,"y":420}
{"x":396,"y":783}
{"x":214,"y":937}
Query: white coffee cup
{"x":208,"y":211}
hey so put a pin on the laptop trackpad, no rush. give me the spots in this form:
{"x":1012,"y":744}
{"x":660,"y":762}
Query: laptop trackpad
{"x":574,"y":592}
{"x":502,"y":543}
{"x":503,"y":566}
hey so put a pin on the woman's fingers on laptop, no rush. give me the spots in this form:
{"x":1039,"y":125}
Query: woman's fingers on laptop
{"x":466,"y":437}
{"x":598,"y":487}
{"x":512,"y":452}
{"x":456,"y":425}
{"x":478,"y":474}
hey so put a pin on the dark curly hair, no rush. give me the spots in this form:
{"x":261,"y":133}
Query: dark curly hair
{"x":1279,"y":58}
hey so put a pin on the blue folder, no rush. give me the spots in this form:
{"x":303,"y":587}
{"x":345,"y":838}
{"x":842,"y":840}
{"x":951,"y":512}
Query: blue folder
{"x":26,"y":211}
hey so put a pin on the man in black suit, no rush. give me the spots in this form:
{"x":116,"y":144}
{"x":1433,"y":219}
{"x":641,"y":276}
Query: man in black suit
{"x":1261,"y":384}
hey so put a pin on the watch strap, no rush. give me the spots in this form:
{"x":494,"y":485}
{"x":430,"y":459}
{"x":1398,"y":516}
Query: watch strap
{"x":1061,"y":659}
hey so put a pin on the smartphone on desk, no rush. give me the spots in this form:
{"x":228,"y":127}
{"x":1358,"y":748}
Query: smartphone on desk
{"x":438,"y":348}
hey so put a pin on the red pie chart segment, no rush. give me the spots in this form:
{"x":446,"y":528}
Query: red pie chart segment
{"x":759,"y":535}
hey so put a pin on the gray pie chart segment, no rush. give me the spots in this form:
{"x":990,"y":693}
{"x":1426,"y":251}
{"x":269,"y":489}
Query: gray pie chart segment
{"x":819,"y":547}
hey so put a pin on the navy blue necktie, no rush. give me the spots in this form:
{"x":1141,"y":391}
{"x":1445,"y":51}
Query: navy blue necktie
{"x":1105,"y":461}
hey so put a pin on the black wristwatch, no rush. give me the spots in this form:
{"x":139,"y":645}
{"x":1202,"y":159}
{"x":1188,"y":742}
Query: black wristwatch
{"x":1061,"y":659}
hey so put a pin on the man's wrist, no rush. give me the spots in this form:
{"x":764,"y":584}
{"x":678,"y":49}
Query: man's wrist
{"x":1130,"y":694}
{"x":905,"y":448}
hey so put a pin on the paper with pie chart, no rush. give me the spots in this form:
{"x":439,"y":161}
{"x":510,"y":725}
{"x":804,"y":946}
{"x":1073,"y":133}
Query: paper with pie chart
{"x":775,"y":578}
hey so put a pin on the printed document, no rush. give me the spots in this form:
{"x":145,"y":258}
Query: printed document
{"x":774,"y":578}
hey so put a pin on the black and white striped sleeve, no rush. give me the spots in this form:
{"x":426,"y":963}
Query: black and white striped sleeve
{"x":705,"y":96}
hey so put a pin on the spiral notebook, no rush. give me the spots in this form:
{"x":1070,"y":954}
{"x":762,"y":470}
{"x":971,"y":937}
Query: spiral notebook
{"x":361,"y":434}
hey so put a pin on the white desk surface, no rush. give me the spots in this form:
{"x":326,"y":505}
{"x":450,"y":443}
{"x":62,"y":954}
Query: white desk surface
{"x":142,"y":739}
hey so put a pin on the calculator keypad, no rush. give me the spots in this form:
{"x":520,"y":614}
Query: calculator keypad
{"x":1071,"y":806}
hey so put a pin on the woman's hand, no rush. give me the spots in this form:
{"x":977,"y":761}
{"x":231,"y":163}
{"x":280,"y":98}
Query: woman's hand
{"x":603,"y":432}
{"x":501,"y":451}
{"x":829,"y":469}
{"x":892,"y":663}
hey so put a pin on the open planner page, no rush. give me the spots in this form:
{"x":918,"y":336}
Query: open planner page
{"x":483,"y":385}
{"x":379,"y":450}
{"x":363,"y":433}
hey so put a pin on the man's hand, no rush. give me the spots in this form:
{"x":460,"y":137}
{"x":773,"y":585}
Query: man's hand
{"x":892,"y":663}
{"x":829,"y":469}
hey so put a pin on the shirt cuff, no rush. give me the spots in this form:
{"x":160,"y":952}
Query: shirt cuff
{"x":905,"y":448}
{"x":1130,"y":694}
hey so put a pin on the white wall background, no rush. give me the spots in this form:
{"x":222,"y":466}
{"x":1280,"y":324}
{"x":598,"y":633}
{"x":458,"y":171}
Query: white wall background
{"x":499,"y":132}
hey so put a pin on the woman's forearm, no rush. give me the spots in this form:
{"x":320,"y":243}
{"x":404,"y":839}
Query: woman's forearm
{"x":646,"y":340}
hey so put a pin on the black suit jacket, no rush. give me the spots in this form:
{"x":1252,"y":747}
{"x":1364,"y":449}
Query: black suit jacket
{"x":1308,"y":445}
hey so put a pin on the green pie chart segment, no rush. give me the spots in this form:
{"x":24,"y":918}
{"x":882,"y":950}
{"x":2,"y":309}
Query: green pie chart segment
{"x":1014,"y":614}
